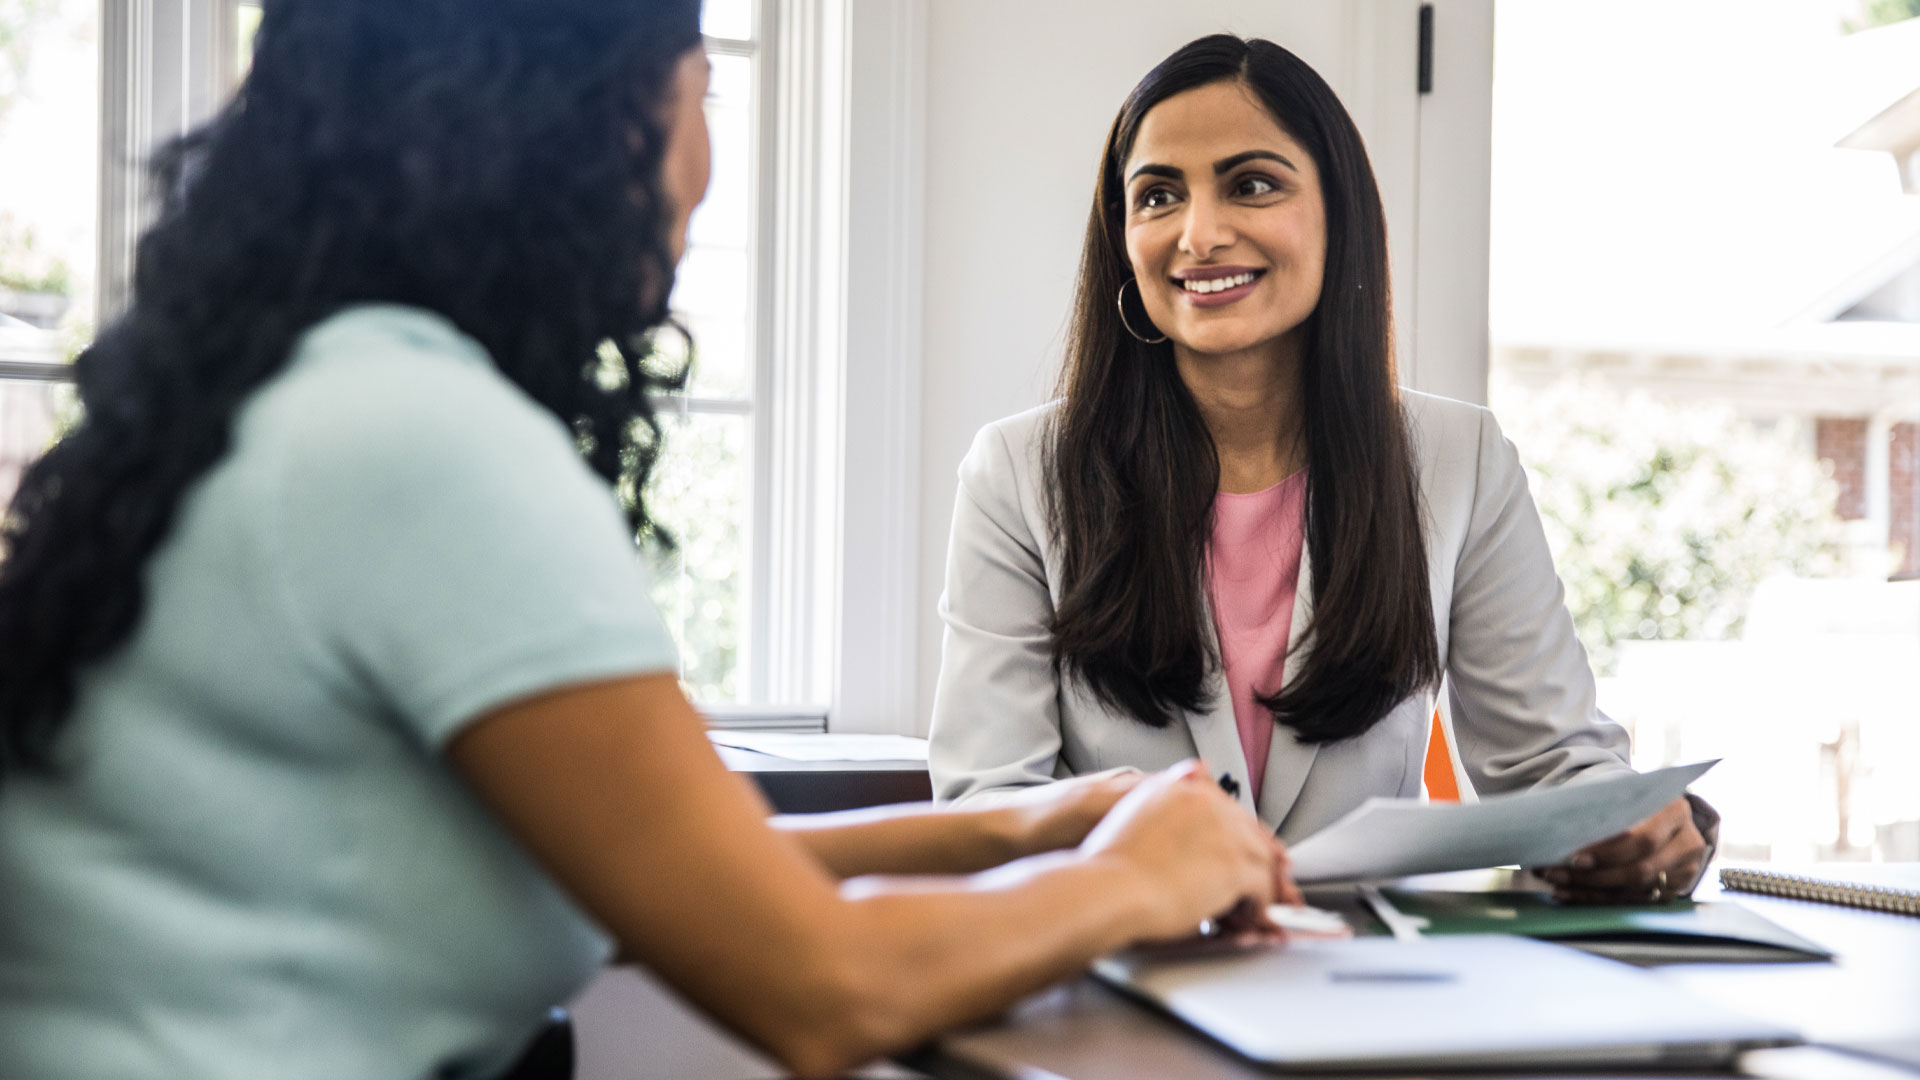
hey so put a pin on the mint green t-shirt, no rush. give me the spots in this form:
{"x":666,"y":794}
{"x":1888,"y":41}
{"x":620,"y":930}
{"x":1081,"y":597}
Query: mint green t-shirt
{"x":256,"y":862}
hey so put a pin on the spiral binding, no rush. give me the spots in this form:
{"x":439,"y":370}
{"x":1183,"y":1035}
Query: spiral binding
{"x":1887,"y":898}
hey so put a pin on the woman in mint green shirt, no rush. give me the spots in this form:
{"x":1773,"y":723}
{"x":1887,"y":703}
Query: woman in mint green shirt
{"x":337,"y":734}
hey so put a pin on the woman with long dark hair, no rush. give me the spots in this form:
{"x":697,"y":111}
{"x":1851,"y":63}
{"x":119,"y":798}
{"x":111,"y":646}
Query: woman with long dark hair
{"x":1233,"y":535}
{"x":338,"y":737}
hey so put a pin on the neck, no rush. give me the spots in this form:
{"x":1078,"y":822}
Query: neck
{"x":1250,"y":401}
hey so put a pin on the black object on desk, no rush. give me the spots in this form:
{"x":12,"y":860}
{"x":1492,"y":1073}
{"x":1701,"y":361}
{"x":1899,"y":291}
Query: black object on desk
{"x":815,"y":787}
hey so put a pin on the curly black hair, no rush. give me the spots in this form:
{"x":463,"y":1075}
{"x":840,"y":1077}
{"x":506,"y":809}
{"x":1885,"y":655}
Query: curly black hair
{"x":496,"y":161}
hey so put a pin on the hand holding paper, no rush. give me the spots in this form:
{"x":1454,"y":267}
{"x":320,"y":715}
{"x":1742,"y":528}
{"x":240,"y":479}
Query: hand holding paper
{"x":1656,"y":860}
{"x":1395,"y":837}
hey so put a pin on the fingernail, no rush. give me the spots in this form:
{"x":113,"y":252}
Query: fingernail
{"x":1580,"y":862}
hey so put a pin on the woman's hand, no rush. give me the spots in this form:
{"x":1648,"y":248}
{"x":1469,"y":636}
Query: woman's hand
{"x":1198,"y":853}
{"x":1061,"y":814}
{"x":1656,"y":860}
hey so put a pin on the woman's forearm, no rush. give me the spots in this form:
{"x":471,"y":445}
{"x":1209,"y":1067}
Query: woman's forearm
{"x":927,"y":955}
{"x":936,"y":953}
{"x":915,"y":838}
{"x":616,"y":790}
{"x":920,"y":839}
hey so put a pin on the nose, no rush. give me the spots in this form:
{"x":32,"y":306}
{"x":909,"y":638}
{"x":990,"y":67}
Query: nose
{"x":1206,"y":229}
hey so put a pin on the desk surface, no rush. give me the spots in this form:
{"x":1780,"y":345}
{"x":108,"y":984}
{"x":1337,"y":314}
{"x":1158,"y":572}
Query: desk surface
{"x":1870,"y":995}
{"x":753,"y":761}
{"x":816,"y":787}
{"x":631,"y":1028}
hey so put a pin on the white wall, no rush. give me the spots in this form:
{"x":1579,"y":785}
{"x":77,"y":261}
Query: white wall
{"x":1019,"y":95}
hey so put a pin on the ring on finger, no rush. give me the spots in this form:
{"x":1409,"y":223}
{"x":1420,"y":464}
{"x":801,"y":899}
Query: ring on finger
{"x":1660,"y":885}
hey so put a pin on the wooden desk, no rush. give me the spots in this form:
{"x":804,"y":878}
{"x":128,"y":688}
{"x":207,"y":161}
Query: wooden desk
{"x":814,"y":787}
{"x":1869,"y":994}
{"x":631,"y":1028}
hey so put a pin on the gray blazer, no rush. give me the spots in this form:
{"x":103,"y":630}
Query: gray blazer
{"x":1520,"y":693}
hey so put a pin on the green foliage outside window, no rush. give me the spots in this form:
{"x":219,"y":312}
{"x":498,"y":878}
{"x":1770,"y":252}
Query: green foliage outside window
{"x":1881,"y":13}
{"x":697,"y":494}
{"x":27,"y":267}
{"x":18,"y":20}
{"x":1663,"y":520}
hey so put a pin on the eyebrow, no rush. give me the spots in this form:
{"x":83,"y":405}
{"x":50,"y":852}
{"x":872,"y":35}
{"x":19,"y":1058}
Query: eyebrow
{"x":1224,"y":165}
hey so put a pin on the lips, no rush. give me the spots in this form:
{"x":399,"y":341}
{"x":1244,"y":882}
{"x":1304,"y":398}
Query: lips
{"x":1204,"y":286}
{"x":1216,"y":286}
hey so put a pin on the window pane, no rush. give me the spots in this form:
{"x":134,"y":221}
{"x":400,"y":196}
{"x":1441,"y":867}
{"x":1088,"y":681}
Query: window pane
{"x":725,"y":218}
{"x":49,"y":182}
{"x":727,"y":19}
{"x":31,"y":414}
{"x":246,"y":24}
{"x":700,"y":493}
{"x":720,"y":366}
{"x":1711,"y":367}
{"x":714,"y":287}
{"x":712,"y":296}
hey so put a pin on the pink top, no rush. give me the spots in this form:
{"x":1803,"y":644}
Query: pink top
{"x":1253,"y":571}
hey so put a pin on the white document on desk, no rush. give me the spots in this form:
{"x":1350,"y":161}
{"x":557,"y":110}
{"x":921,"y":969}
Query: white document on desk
{"x":811,"y":746}
{"x":1388,"y":838}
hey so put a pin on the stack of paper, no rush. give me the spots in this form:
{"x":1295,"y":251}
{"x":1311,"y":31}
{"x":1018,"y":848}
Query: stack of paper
{"x":1388,"y":838}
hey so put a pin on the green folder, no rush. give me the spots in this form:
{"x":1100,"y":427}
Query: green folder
{"x":1679,"y":931}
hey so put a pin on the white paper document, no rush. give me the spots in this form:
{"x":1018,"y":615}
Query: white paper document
{"x":1387,"y":838}
{"x":812,"y":746}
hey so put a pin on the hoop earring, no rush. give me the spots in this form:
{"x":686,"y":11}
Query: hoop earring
{"x":1121,"y":302}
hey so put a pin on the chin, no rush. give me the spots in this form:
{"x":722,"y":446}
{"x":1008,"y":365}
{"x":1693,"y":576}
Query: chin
{"x":1221,"y":340}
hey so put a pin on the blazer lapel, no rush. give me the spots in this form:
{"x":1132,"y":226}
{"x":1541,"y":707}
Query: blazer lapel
{"x":1216,"y":736}
{"x":1288,"y":759}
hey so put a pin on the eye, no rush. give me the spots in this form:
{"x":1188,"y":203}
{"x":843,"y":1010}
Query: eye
{"x":1255,"y":185}
{"x":1153,"y":199}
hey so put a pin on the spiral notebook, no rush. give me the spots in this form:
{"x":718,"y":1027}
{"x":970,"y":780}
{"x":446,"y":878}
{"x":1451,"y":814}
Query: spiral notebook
{"x":1896,"y":892}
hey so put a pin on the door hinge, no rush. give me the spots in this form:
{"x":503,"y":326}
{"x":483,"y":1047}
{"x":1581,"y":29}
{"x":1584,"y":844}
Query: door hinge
{"x":1426,"y":48}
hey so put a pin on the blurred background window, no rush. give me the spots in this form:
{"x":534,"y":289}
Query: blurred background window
{"x":1705,"y":316}
{"x":67,"y":227}
{"x":49,"y":193}
{"x":703,"y":490}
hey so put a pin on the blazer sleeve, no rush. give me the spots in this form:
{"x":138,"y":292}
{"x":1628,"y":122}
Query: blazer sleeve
{"x":996,"y":706}
{"x":1523,"y":696}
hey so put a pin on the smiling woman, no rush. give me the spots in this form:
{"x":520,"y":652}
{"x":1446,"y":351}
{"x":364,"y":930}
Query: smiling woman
{"x":1186,"y":206}
{"x":1234,"y":536}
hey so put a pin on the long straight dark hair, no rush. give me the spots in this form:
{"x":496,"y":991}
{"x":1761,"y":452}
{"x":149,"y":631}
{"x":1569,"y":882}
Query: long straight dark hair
{"x":1132,"y":469}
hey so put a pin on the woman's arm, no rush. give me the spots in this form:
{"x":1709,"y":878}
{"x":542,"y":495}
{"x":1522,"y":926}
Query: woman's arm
{"x":1524,"y":698}
{"x":922,"y":839}
{"x":996,"y":704}
{"x":1523,"y":695}
{"x":615,"y":788}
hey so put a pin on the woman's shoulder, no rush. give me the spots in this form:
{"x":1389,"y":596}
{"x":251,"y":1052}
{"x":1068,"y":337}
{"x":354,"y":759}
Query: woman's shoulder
{"x":1450,"y":435}
{"x":1443,"y":421}
{"x":375,"y":358}
{"x":1022,"y":431}
{"x":384,"y":385}
{"x":1011,"y":447}
{"x":1004,"y":471}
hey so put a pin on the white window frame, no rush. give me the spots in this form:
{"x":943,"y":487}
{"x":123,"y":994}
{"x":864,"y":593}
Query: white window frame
{"x":166,"y":66}
{"x":842,"y":360}
{"x":760,"y":708}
